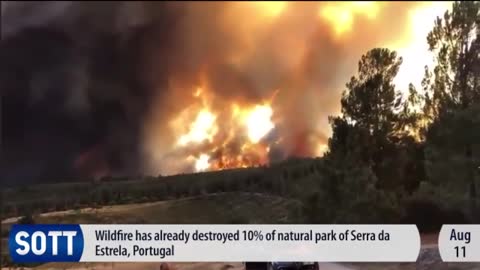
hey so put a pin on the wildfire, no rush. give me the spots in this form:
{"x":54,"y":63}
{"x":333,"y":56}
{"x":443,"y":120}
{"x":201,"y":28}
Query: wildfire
{"x":203,"y":128}
{"x":259,"y":122}
{"x":201,"y":164}
{"x":214,"y":115}
{"x":226,"y":144}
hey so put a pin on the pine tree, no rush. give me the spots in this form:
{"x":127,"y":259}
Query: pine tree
{"x":452,"y":100}
{"x":370,"y":124}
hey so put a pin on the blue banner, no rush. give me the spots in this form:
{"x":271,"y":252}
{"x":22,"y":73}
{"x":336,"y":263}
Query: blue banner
{"x":45,"y":243}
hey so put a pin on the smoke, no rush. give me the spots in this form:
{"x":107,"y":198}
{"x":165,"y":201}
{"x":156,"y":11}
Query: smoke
{"x":244,"y":52}
{"x":73,"y":103}
{"x":91,"y":88}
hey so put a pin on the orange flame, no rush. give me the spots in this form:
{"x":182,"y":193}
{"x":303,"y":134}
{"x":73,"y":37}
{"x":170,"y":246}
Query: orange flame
{"x":228,"y":144}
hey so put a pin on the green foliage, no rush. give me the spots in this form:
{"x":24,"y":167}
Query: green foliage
{"x":42,"y":198}
{"x":383,"y":146}
{"x":370,"y":100}
{"x":447,"y":163}
{"x":371,"y":130}
{"x":453,"y":105}
{"x":402,"y":146}
{"x":351,"y":189}
{"x":432,"y":206}
{"x":454,"y":39}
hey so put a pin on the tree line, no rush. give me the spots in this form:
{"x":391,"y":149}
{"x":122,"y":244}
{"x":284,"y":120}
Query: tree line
{"x":422,"y":147}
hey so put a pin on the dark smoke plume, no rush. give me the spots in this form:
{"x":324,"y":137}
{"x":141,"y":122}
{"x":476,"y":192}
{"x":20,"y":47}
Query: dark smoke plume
{"x":73,"y":101}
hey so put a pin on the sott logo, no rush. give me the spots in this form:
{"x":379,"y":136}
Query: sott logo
{"x":45,"y":243}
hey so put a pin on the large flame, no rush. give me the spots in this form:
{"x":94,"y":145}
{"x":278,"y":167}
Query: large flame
{"x":203,"y":128}
{"x":202,"y":163}
{"x":234,"y":142}
{"x":231,"y":56}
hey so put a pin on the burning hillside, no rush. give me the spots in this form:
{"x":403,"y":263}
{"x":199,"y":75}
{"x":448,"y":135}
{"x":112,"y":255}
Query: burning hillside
{"x":162,"y":88}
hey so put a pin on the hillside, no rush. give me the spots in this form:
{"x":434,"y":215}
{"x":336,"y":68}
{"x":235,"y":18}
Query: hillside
{"x":222,"y":208}
{"x":289,"y":179}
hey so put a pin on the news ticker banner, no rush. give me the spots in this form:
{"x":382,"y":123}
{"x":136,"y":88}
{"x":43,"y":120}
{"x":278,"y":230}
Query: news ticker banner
{"x":206,"y":243}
